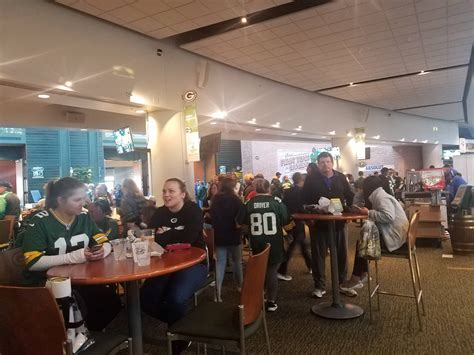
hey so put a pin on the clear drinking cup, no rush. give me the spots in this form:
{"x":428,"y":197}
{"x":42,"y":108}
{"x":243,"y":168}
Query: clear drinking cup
{"x":141,"y":253}
{"x":149,"y":236}
{"x":118,"y":246}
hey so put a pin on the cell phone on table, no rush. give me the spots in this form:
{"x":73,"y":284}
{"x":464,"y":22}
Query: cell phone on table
{"x":96,"y":247}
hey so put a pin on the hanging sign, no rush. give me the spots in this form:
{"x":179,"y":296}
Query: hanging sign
{"x":191,"y":126}
{"x":37,"y":172}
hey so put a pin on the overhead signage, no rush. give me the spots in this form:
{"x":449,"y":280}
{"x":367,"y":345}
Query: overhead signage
{"x":191,"y":127}
{"x":466,"y":145}
{"x":37,"y":172}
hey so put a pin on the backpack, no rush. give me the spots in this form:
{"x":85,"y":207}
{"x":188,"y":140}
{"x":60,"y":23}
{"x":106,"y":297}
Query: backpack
{"x":3,"y":203}
{"x":369,"y":242}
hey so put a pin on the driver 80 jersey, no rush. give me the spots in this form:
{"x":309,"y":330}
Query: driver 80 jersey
{"x":265,"y":217}
{"x":47,"y":235}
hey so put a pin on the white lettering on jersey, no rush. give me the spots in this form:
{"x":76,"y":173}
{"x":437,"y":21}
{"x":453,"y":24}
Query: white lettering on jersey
{"x":174,"y":220}
{"x":261,"y":205}
{"x":263,"y":224}
{"x":42,"y":214}
{"x":61,"y":244}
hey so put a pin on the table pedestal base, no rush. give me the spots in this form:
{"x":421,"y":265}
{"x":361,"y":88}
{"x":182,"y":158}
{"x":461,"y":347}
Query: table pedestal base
{"x":341,"y":311}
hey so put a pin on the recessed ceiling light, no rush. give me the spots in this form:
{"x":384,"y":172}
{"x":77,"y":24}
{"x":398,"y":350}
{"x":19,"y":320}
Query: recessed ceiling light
{"x":422,"y":72}
{"x":213,"y":122}
{"x":435,"y":129}
{"x":299,"y":128}
{"x":376,"y":137}
{"x":402,"y":139}
{"x":137,"y":99}
{"x":436,"y":142}
{"x":352,"y":84}
{"x":424,"y":141}
{"x":243,"y":19}
{"x":323,"y":137}
{"x":294,"y":134}
{"x":415,"y":140}
{"x":140,"y":111}
{"x":84,"y":129}
{"x":332,"y":133}
{"x":43,"y":96}
{"x":253,"y":121}
{"x":68,"y":83}
{"x":258,"y":129}
{"x":219,"y":114}
{"x":349,"y":134}
{"x":276,"y":125}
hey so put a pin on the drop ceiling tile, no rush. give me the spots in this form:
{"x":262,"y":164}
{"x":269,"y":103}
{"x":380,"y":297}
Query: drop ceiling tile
{"x":231,"y":54}
{"x":459,"y":42}
{"x":65,"y":2}
{"x":84,"y":7}
{"x":193,"y":10}
{"x":222,"y":47}
{"x":147,"y":24}
{"x":466,"y":6}
{"x":434,"y":24}
{"x":285,"y":30}
{"x":337,"y":16}
{"x":303,"y":15}
{"x":465,"y":17}
{"x":150,"y":7}
{"x":277,"y":22}
{"x":406,"y":30}
{"x":261,"y":56}
{"x":206,"y":20}
{"x":295,"y":38}
{"x":127,"y":13}
{"x":242,"y":60}
{"x":403,"y":21}
{"x":319,"y":32}
{"x":163,"y":33}
{"x":272,"y":61}
{"x":330,"y":7}
{"x":184,"y":26}
{"x":104,"y":5}
{"x":463,"y":34}
{"x":378,"y":27}
{"x":252,"y":49}
{"x":291,"y":56}
{"x":274,"y":43}
{"x":428,"y":5}
{"x":170,"y":17}
{"x":262,"y":36}
{"x":398,"y":12}
{"x":279,"y":51}
{"x":298,"y":62}
{"x":460,"y":27}
{"x":111,"y":18}
{"x":240,"y":42}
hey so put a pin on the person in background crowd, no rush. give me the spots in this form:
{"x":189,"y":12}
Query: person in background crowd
{"x":286,"y":183}
{"x":449,"y":173}
{"x":100,"y":212}
{"x":294,"y":204}
{"x":399,"y":186}
{"x":385,"y":181}
{"x":359,"y":181}
{"x":259,"y":176}
{"x":150,"y":201}
{"x":102,"y":192}
{"x":179,"y":220}
{"x":453,"y":186}
{"x":9,"y":202}
{"x":265,"y":217}
{"x":330,"y":184}
{"x":224,"y":210}
{"x":432,"y":167}
{"x":277,"y":175}
{"x":90,"y":192}
{"x":213,"y":190}
{"x":376,"y":173}
{"x":132,"y":204}
{"x":64,"y":234}
{"x":201,"y":194}
{"x":350,"y":180}
{"x":391,"y":220}
{"x":248,"y":179}
{"x":118,"y":195}
{"x":275,"y":188}
{"x":147,"y":214}
{"x":311,"y":168}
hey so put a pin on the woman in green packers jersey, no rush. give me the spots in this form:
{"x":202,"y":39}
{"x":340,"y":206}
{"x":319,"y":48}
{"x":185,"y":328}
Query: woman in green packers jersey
{"x":265,"y":217}
{"x":65,"y":234}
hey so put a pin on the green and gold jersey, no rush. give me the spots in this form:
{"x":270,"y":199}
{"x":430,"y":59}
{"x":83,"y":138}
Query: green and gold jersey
{"x":265,"y":216}
{"x":46,"y":234}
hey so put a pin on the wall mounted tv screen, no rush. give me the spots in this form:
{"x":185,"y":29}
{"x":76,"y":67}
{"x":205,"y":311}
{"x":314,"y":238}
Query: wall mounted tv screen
{"x":123,"y":140}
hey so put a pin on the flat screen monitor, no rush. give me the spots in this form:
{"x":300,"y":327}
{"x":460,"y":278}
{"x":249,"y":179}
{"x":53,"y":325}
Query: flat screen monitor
{"x":123,"y":140}
{"x":210,"y":144}
{"x":36,"y":195}
{"x":334,"y":151}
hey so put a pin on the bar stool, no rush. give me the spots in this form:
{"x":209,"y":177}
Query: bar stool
{"x":407,"y":252}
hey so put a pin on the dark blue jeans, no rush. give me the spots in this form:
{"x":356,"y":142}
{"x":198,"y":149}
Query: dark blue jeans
{"x":166,"y":297}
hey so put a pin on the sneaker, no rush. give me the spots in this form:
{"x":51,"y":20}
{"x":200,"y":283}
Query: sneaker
{"x":271,"y":306}
{"x":310,"y":271}
{"x":318,"y":293}
{"x":352,"y":285}
{"x":347,"y":291}
{"x":284,"y":277}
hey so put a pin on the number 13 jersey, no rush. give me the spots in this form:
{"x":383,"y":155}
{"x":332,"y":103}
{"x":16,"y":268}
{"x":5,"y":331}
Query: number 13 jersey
{"x":265,"y":216}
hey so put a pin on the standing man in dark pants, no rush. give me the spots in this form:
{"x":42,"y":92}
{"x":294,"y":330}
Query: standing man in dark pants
{"x":326,"y":182}
{"x":293,"y":201}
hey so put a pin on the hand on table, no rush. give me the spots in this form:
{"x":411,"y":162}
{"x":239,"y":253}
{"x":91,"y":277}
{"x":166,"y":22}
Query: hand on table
{"x":361,"y":210}
{"x":92,"y":255}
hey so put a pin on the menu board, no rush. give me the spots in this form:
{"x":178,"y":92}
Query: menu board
{"x":432,"y":179}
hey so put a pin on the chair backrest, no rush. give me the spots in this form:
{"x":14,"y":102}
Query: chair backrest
{"x":12,"y":263}
{"x":208,"y":235}
{"x":413,"y":229}
{"x":6,"y":230}
{"x":251,"y":296}
{"x":30,"y":322}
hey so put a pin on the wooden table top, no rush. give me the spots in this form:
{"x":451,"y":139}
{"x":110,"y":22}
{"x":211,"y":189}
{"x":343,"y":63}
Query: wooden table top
{"x":328,"y":217}
{"x":109,"y":270}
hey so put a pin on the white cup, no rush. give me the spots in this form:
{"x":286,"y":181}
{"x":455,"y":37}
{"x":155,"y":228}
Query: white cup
{"x":141,"y":253}
{"x":119,"y":249}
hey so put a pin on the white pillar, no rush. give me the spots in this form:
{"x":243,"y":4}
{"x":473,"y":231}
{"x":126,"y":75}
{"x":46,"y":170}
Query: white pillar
{"x":347,"y":163}
{"x":167,"y":142}
{"x":432,"y":155}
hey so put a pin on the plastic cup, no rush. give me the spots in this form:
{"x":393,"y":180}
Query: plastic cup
{"x":149,"y":236}
{"x":118,"y":246}
{"x":141,"y":253}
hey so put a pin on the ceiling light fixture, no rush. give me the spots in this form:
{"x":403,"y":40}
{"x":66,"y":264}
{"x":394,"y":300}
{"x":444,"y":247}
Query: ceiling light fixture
{"x":219,"y":114}
{"x":140,"y":111}
{"x":68,"y":83}
{"x":436,"y":142}
{"x":376,"y":137}
{"x":243,"y":20}
{"x":422,"y":72}
{"x":415,"y":140}
{"x":258,"y":129}
{"x":332,"y":133}
{"x":349,"y":134}
{"x":253,"y":121}
{"x":294,"y":134}
{"x":299,"y":128}
{"x":276,"y":125}
{"x":43,"y":96}
{"x":402,"y":140}
{"x":425,"y":141}
{"x":352,"y":84}
{"x":213,"y":122}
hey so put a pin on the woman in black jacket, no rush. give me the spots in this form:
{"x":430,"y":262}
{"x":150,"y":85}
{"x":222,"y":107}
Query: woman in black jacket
{"x":224,"y":210}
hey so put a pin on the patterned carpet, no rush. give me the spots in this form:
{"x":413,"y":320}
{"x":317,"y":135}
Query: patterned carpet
{"x":448,"y":286}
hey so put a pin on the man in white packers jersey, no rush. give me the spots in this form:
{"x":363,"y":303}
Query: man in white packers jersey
{"x":63,"y":234}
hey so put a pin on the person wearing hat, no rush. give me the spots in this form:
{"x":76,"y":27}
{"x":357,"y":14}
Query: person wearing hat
{"x":9,"y":202}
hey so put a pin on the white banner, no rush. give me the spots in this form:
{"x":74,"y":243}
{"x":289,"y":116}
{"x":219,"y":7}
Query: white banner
{"x":290,"y":162}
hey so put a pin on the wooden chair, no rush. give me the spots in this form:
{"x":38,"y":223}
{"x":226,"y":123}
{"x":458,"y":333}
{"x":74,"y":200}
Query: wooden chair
{"x":229,"y":324}
{"x":208,"y":235}
{"x":12,"y":263}
{"x":407,"y":252}
{"x":6,"y":233}
{"x":30,"y":322}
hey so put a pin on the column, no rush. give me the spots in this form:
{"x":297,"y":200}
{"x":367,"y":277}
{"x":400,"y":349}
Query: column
{"x":347,"y":163}
{"x":432,"y":155}
{"x":167,"y":143}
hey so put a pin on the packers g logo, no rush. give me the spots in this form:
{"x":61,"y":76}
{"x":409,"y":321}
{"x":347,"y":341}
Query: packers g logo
{"x":190,"y":96}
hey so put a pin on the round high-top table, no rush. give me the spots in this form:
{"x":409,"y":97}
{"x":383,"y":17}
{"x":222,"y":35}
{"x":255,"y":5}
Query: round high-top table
{"x":109,"y":270}
{"x":335,"y":309}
